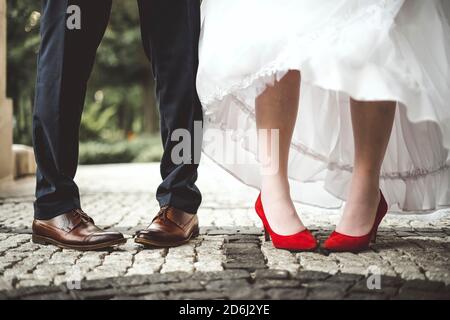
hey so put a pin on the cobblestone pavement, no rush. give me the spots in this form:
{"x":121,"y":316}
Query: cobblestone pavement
{"x":228,"y":260}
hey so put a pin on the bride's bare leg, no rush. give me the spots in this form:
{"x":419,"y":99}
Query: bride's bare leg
{"x":276,"y":108}
{"x":372,"y":125}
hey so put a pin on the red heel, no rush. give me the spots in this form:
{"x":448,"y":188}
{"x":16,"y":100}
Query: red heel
{"x":266,"y":235}
{"x":302,"y":241}
{"x":374,"y":237}
{"x":339,"y":242}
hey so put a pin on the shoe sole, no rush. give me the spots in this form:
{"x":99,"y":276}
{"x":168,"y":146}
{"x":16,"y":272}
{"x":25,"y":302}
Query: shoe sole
{"x":48,"y":241}
{"x":297,"y":250}
{"x":157,"y":244}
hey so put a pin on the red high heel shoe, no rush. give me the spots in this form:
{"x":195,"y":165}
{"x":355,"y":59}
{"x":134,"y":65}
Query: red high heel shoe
{"x":339,"y":242}
{"x":302,"y":241}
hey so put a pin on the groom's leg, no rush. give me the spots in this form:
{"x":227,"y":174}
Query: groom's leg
{"x":65,"y":62}
{"x":170,"y":33}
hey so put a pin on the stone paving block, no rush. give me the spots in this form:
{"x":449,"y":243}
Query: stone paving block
{"x":287,"y":294}
{"x":33,"y":282}
{"x":5,"y":284}
{"x":29,"y":291}
{"x":422,"y":285}
{"x":321,"y":266}
{"x":154,"y":296}
{"x":308,"y":276}
{"x":148,"y":268}
{"x":186,"y":286}
{"x":101,"y":273}
{"x":128,"y":281}
{"x":198,"y":295}
{"x":156,"y":288}
{"x":208,"y":266}
{"x":50,"y":296}
{"x":168,"y":277}
{"x":97,"y":284}
{"x":279,"y":259}
{"x":230,"y":284}
{"x":97,"y":294}
{"x":438,"y":274}
{"x":409,"y":294}
{"x":173,"y":265}
{"x":225,"y":275}
{"x":330,"y":286}
{"x":276,"y":283}
{"x":246,"y":293}
{"x":249,"y":265}
{"x":330,"y":294}
{"x":272,"y":274}
{"x":242,"y":239}
{"x":366,"y":296}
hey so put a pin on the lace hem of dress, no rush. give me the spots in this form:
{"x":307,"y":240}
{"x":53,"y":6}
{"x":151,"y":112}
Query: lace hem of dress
{"x":416,"y":173}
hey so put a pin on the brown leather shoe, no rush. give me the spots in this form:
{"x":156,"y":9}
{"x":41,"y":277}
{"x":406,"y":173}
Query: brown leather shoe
{"x":170,"y":228}
{"x":74,"y":230}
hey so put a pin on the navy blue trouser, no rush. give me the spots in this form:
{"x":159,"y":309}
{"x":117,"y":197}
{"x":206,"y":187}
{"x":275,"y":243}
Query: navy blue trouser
{"x":170,"y":32}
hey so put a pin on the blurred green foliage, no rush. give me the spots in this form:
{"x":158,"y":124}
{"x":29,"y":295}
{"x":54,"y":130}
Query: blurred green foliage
{"x":120,"y":104}
{"x":142,"y":149}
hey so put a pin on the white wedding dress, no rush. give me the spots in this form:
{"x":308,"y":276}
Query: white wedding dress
{"x":395,"y":50}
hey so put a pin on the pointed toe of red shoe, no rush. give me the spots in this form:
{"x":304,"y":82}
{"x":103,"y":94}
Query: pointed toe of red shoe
{"x":302,"y":241}
{"x":331,"y":242}
{"x":309,"y":240}
{"x":338,"y":242}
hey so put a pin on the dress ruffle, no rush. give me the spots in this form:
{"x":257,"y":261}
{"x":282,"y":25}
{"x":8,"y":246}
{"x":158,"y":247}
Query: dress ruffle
{"x":394,"y":62}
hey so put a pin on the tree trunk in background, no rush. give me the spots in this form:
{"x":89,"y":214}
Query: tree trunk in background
{"x":6,"y":114}
{"x":149,"y":108}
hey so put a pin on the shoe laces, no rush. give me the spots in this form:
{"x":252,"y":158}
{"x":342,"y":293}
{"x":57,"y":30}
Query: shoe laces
{"x":84,"y":216}
{"x":162,"y":214}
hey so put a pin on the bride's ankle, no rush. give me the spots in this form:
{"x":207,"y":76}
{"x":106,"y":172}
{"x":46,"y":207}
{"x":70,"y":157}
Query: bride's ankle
{"x":366,"y":178}
{"x":278,"y":206}
{"x":275,"y":182}
{"x":365,"y":183}
{"x":360,"y":208}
